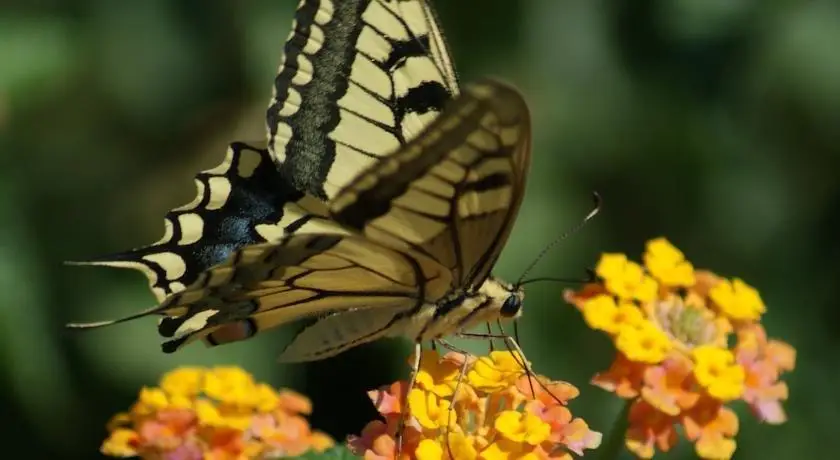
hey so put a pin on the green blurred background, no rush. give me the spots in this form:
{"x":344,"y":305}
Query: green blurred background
{"x":712,"y":122}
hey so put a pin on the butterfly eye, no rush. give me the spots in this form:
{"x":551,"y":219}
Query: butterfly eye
{"x":511,"y":306}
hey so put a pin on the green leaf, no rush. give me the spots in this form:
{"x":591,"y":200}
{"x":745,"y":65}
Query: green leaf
{"x":339,"y":452}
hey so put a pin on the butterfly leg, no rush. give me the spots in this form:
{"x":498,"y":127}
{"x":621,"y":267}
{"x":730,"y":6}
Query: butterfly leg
{"x":461,"y":375}
{"x":415,"y":367}
{"x":492,"y":344}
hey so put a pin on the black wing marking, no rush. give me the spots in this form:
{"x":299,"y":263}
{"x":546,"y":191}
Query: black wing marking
{"x":358,"y":79}
{"x":232,"y":200}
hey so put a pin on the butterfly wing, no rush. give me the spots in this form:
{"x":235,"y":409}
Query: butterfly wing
{"x":338,"y":332}
{"x":454,"y":191}
{"x":451,"y":195}
{"x":432,"y":218}
{"x":358,"y":79}
{"x":460,"y":178}
{"x":303,"y":275}
{"x":241,"y":202}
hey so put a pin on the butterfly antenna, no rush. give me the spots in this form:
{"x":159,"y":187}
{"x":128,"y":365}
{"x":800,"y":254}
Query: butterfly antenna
{"x":595,"y":209}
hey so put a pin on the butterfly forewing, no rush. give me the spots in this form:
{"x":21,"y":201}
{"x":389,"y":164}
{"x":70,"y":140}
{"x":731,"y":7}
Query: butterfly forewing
{"x":451,"y":196}
{"x":453,"y":192}
{"x":359,"y":78}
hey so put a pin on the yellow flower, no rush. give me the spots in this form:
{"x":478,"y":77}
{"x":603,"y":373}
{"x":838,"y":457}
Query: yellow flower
{"x":737,"y":300}
{"x":520,"y":427}
{"x":320,"y":441}
{"x":180,"y":402}
{"x":440,"y":376}
{"x":121,"y":443}
{"x":265,"y":398}
{"x":602,"y":313}
{"x":526,"y":420}
{"x":499,"y":370}
{"x":242,"y":419}
{"x":207,"y":413}
{"x":429,"y":450}
{"x":667,"y":264}
{"x":230,"y":385}
{"x":625,"y":279}
{"x":504,"y":449}
{"x":644,"y":343}
{"x":718,"y":447}
{"x":430,"y":412}
{"x":150,"y":400}
{"x":675,"y":362}
{"x":185,"y":381}
{"x":716,"y":370}
{"x":461,"y":446}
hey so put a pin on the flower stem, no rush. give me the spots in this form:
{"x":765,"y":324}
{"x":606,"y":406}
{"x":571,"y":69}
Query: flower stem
{"x":613,"y":443}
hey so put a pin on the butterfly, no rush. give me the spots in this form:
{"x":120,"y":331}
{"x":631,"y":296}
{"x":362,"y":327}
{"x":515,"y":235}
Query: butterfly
{"x":379,"y":206}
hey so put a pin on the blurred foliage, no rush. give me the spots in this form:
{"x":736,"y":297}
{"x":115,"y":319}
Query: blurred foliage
{"x":336,"y":453}
{"x":712,"y":122}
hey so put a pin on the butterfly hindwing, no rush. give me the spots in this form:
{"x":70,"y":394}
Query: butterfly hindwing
{"x":338,"y":332}
{"x":232,"y":200}
{"x":241,"y":202}
{"x":453,"y":192}
{"x":358,"y":79}
{"x":302,"y":275}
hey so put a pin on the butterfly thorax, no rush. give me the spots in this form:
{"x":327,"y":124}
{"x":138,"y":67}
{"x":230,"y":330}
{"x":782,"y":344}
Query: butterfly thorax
{"x":492,"y":301}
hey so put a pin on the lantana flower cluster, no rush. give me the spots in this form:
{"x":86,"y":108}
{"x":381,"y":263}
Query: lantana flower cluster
{"x":688,"y":343}
{"x":465,"y":407}
{"x":213,"y":414}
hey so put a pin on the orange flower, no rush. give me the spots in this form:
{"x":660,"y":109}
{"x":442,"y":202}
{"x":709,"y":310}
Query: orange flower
{"x":495,"y":415}
{"x":671,"y":326}
{"x":763,"y":362}
{"x":218,"y":413}
{"x":669,"y":387}
{"x":711,"y":425}
{"x":624,"y":377}
{"x":649,"y":430}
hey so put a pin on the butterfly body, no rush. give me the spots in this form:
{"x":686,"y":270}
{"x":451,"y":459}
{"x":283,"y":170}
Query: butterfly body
{"x":465,"y":310}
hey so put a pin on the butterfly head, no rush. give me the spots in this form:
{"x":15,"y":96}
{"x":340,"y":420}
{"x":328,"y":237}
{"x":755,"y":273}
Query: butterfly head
{"x":507,"y":298}
{"x":512,"y":306}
